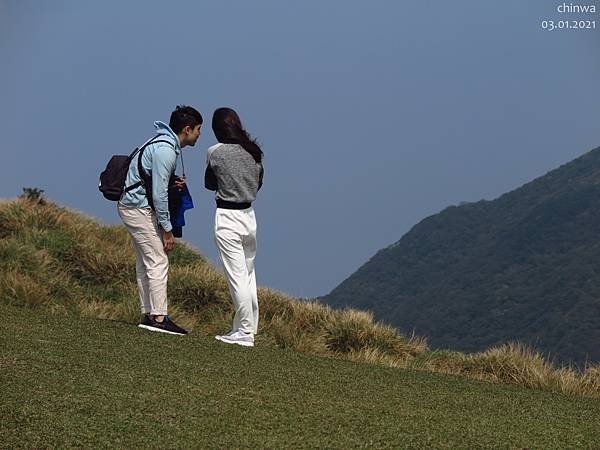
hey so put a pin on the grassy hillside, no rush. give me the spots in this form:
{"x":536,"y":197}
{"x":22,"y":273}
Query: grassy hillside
{"x":58,"y":262}
{"x":524,"y":267}
{"x":71,"y":382}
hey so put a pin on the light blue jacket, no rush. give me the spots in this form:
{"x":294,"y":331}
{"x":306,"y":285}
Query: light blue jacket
{"x":160,"y":161}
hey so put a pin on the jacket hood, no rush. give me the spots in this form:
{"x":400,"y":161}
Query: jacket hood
{"x":164,"y":131}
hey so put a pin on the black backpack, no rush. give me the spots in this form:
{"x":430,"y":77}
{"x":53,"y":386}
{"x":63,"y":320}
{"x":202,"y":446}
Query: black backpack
{"x":112,"y":179}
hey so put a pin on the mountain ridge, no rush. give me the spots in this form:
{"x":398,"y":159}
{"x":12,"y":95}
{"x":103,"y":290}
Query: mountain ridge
{"x":524,"y":266}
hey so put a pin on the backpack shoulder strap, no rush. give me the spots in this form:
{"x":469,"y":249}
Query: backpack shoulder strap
{"x":141,"y":170}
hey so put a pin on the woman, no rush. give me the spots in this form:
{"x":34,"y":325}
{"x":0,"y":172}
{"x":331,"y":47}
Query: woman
{"x":234,"y":170}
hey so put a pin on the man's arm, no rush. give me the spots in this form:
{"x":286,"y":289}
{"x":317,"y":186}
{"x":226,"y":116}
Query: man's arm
{"x":163,"y":164}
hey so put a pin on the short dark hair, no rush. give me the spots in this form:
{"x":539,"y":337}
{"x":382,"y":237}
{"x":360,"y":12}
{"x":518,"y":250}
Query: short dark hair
{"x":184,"y":116}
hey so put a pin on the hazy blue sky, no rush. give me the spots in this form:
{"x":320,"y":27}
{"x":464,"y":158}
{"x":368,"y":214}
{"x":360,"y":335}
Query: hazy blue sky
{"x":372,"y":115}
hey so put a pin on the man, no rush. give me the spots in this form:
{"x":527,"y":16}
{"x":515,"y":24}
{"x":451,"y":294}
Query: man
{"x":145,"y":213}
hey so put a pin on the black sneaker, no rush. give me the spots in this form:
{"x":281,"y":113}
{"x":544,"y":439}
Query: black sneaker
{"x":166,"y":326}
{"x":145,"y":322}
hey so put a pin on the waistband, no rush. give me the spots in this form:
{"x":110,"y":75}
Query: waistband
{"x":232,"y":205}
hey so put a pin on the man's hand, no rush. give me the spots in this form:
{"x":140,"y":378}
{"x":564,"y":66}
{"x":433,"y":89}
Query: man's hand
{"x":180,"y":183}
{"x":168,"y":241}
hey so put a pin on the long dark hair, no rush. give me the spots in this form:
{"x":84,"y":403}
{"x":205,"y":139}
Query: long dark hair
{"x":228,"y":129}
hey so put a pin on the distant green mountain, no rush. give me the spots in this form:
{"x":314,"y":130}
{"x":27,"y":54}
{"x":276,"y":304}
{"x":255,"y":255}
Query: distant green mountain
{"x":523,"y":267}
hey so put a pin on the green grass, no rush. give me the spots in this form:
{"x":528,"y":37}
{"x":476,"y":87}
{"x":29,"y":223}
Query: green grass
{"x":73,"y":382}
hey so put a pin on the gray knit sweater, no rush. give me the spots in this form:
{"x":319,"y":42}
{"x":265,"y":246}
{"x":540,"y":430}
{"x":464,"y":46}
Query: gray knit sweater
{"x":232,"y":172}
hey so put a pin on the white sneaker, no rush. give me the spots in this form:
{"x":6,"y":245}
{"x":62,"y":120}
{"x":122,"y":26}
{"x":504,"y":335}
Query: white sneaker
{"x":229,"y":333}
{"x":239,"y":338}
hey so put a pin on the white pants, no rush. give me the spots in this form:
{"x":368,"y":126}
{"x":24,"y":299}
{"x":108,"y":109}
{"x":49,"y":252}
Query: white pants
{"x":235,"y":237}
{"x":151,"y":261}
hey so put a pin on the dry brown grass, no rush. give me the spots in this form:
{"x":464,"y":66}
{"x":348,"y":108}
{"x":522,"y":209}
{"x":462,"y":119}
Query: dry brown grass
{"x":62,"y":262}
{"x":513,"y":363}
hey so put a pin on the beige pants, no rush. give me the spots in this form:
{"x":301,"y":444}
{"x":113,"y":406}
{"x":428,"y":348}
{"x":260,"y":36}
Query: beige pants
{"x":151,"y":261}
{"x":235,"y":237}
